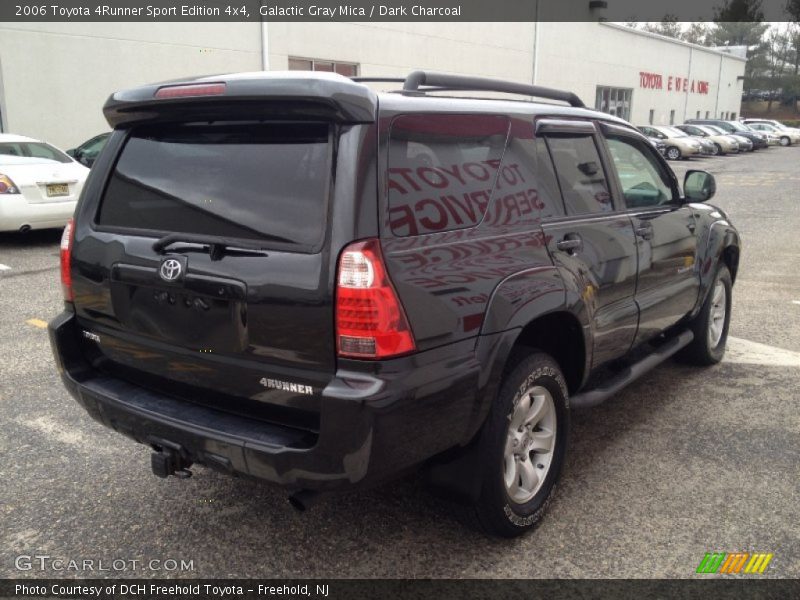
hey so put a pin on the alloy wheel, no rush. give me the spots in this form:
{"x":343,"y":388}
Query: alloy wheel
{"x":530,"y":442}
{"x":719,"y":308}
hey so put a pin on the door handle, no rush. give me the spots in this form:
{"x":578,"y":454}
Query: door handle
{"x":645,"y":231}
{"x":571,"y":243}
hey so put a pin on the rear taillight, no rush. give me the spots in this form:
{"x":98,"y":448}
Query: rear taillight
{"x":66,"y":257}
{"x":193,"y":89}
{"x":7,"y":186}
{"x":370,"y":321}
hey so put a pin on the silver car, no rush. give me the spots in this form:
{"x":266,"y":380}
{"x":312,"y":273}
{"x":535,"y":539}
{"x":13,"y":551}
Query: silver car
{"x":679,"y":145}
{"x":722,"y":144}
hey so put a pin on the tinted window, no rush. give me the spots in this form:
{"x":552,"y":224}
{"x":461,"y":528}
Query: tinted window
{"x":580,"y":174}
{"x":93,"y":146}
{"x":255,"y":181}
{"x":442,"y":170}
{"x":643,"y":179}
{"x":33,"y":150}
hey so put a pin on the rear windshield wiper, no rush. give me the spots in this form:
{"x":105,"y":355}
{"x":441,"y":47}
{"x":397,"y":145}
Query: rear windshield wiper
{"x":216,"y":244}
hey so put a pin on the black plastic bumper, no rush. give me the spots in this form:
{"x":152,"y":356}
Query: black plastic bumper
{"x":373,"y":423}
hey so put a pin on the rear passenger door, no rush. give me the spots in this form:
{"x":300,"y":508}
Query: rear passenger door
{"x":593,"y":241}
{"x":668,"y":282}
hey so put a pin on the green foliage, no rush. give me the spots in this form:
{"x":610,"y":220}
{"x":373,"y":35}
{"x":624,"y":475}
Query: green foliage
{"x":668,"y":26}
{"x":696,"y":33}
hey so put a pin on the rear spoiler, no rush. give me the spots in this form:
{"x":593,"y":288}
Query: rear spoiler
{"x":254,"y":95}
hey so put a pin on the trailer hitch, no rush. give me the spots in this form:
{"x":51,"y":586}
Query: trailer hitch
{"x":169,"y":459}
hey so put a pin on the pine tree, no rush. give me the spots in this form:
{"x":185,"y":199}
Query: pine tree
{"x":740,"y":23}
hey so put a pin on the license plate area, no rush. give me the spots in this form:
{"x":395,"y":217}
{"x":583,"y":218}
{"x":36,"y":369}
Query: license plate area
{"x":208,"y":315}
{"x":55,"y":190}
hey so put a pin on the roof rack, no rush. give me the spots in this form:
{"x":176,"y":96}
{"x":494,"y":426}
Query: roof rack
{"x":428,"y":81}
{"x":378,"y":79}
{"x":462,"y":82}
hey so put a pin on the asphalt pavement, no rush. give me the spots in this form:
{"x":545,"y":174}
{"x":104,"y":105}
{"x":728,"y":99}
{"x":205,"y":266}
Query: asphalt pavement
{"x":683,"y":462}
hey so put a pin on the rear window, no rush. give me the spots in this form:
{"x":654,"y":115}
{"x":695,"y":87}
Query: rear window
{"x":251,"y":180}
{"x":35,"y":152}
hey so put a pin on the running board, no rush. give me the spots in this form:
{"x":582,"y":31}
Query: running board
{"x":612,"y":386}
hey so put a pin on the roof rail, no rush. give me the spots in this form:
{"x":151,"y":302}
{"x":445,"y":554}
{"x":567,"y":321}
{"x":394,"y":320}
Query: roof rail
{"x":433,"y":82}
{"x":378,"y":79}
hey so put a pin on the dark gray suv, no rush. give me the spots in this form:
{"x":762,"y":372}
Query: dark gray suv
{"x":292,"y":277}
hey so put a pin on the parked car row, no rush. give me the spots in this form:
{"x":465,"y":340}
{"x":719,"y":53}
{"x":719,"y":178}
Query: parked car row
{"x":786,"y":135}
{"x":717,"y":137}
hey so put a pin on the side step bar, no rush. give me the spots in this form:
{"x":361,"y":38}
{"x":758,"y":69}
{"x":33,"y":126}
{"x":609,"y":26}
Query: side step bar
{"x":615,"y":384}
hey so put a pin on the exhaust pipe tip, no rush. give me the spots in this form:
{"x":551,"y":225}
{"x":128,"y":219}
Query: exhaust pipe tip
{"x":25,"y":229}
{"x":303,"y":500}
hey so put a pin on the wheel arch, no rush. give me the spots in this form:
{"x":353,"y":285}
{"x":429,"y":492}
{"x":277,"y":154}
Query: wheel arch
{"x":722,"y":245}
{"x":560,"y":335}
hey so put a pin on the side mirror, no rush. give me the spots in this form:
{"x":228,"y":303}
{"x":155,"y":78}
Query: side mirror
{"x":73,"y":152}
{"x":699,"y":186}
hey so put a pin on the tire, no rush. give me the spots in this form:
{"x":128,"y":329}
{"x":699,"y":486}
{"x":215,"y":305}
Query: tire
{"x":785,"y":141}
{"x":710,"y":327}
{"x":717,"y":150}
{"x":673,"y":153}
{"x":515,"y":492}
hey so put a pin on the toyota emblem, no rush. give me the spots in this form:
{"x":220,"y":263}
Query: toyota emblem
{"x":170,"y":269}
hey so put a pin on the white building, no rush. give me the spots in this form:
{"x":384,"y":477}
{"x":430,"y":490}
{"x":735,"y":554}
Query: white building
{"x":55,"y":77}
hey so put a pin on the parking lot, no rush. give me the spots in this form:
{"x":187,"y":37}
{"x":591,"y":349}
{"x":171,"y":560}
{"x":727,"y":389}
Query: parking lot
{"x":683,"y":462}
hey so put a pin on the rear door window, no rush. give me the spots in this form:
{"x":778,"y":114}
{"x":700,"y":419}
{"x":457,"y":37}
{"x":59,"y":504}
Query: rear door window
{"x":253,"y":181}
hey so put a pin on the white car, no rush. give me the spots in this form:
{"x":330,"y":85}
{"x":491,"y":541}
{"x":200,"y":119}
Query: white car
{"x":39,"y":184}
{"x":785,"y":136}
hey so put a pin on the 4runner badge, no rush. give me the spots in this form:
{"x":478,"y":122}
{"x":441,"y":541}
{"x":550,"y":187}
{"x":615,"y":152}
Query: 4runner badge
{"x":286,"y":386}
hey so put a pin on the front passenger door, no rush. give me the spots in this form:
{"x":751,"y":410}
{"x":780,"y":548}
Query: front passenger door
{"x":593,"y":242}
{"x":668,"y":283}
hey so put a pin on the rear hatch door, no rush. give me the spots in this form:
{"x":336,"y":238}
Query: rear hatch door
{"x":205,"y":272}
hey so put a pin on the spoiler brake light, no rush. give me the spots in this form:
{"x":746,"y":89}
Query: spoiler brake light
{"x":192,"y":89}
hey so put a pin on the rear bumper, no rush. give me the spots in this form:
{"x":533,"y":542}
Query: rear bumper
{"x":16,"y":212}
{"x":373,"y":423}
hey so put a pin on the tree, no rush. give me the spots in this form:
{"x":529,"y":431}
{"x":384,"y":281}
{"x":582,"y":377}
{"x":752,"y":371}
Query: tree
{"x":737,"y":33}
{"x":792,"y":87}
{"x":777,"y":50}
{"x":793,"y":10}
{"x":740,"y":23}
{"x":668,"y":26}
{"x":696,"y":33}
{"x":739,"y":10}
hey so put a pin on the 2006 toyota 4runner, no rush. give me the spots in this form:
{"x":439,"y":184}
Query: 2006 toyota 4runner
{"x":292,"y":277}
